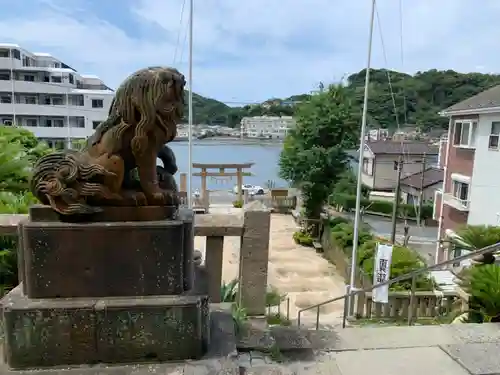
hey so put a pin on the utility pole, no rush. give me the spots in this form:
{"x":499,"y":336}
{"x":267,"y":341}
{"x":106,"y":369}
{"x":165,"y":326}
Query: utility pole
{"x":398,"y":165}
{"x":421,"y":197}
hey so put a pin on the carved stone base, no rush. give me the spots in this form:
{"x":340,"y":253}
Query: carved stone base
{"x":54,"y":332}
{"x":107,"y":259}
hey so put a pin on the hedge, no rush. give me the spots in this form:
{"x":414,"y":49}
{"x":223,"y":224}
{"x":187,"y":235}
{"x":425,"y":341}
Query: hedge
{"x":348,"y":202}
{"x":404,"y":260}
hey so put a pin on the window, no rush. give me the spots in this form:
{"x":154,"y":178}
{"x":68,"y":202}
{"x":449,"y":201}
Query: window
{"x":48,"y":123}
{"x":5,"y":99}
{"x":77,"y":100}
{"x":29,"y":78}
{"x":367,"y":166}
{"x":56,"y":79}
{"x":79,"y":122}
{"x":57,"y":100}
{"x":30,"y":99}
{"x":461,"y":191}
{"x":31,"y":122}
{"x":4,"y":77}
{"x":465,"y":134}
{"x":494,"y":135}
{"x":97,"y":103}
{"x":16,"y":54}
{"x":95,"y":124}
{"x":71,"y":79}
{"x":58,"y":123}
{"x":4,"y":53}
{"x":46,"y":79}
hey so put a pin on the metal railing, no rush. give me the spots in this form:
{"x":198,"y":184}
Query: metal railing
{"x":412,"y":275}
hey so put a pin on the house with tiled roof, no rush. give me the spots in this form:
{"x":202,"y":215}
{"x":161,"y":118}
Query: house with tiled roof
{"x":422,"y":184}
{"x":380,"y":162}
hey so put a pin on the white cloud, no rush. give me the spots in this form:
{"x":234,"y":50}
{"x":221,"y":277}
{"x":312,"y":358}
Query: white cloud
{"x":256,"y":49}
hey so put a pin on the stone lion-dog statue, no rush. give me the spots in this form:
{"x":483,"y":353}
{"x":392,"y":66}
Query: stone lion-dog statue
{"x":143,"y":117}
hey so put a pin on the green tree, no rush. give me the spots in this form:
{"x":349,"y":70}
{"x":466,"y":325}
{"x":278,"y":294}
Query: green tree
{"x":314,"y":154}
{"x":347,"y":185}
{"x":15,"y":166}
{"x":19,"y":148}
{"x":31,"y":144}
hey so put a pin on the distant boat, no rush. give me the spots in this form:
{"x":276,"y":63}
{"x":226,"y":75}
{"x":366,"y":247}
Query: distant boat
{"x":180,"y":139}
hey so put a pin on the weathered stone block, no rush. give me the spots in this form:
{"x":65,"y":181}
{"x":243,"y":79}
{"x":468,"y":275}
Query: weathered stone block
{"x":48,"y":332}
{"x":151,"y":328}
{"x":187,"y":217}
{"x":104,"y":259}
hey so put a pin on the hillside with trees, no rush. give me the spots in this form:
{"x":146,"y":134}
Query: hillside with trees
{"x":418,"y":98}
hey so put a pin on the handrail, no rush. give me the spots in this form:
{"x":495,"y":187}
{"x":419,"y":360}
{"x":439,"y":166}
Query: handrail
{"x":406,"y":276}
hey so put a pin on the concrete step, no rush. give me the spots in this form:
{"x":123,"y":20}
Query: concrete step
{"x":258,"y":337}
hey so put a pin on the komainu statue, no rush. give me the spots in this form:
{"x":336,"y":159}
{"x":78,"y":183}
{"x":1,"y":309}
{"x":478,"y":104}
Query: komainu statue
{"x":143,"y":117}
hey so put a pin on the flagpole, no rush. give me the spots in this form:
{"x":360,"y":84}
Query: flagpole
{"x":190,"y":109}
{"x":357,"y":216}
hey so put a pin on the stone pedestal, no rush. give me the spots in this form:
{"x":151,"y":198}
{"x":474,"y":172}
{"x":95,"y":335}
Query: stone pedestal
{"x":113,"y":292}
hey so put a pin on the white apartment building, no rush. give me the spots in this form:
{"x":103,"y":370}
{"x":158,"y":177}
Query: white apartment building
{"x":470,"y":158}
{"x":48,"y":97}
{"x":266,"y":126}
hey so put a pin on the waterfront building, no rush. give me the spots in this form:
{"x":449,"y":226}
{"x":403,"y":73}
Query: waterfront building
{"x":272,"y":127}
{"x":48,"y":97}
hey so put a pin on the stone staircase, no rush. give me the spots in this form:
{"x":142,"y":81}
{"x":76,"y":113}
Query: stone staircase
{"x":256,"y":349}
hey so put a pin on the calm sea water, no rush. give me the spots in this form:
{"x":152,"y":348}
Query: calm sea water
{"x":264,"y":156}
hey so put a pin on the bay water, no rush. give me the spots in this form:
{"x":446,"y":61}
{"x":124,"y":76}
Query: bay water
{"x":265,"y":157}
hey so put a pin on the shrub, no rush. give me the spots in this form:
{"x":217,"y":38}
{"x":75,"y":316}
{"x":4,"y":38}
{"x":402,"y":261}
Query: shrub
{"x":303,"y":238}
{"x":229,"y":291}
{"x":404,"y":260}
{"x":348,"y":202}
{"x":343,"y":235}
{"x":337,"y":220}
{"x":238,"y":204}
{"x":482,"y":282}
{"x":11,"y":203}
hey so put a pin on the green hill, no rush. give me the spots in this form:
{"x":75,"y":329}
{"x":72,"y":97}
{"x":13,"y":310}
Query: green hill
{"x":418,"y":98}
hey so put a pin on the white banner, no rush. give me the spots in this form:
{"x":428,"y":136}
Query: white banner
{"x":382,"y":272}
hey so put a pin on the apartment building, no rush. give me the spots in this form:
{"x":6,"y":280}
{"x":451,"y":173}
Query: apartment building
{"x":470,"y":157}
{"x":48,"y":97}
{"x":273,"y":127}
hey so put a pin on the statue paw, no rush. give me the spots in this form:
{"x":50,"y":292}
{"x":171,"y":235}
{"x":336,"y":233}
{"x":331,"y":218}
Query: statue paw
{"x":163,"y":198}
{"x":140,"y":199}
{"x":134,"y":198}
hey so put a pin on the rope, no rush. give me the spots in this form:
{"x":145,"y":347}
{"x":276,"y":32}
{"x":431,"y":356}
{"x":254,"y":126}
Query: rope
{"x":404,"y":149}
{"x":179,"y":32}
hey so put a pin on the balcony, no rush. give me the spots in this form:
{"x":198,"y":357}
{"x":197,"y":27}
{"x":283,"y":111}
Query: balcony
{"x":457,"y":203}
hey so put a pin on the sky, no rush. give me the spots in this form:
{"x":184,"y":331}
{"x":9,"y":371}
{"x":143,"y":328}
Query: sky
{"x":247,"y":51}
